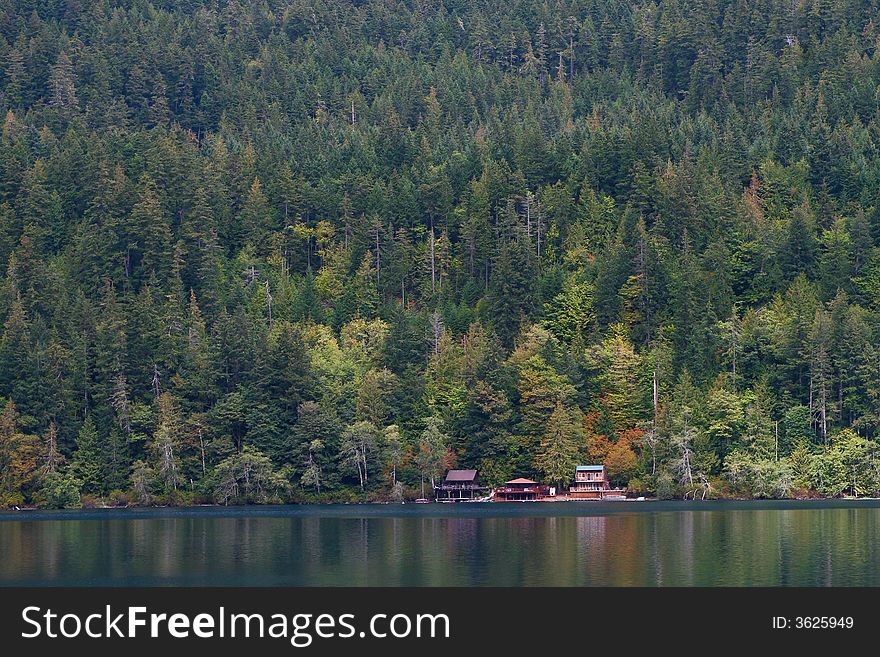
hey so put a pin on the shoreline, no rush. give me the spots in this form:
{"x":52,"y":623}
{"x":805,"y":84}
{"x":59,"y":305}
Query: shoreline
{"x":573,"y":508}
{"x":433,"y":503}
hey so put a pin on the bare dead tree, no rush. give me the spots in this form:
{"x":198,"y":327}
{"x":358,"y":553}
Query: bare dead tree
{"x":157,"y":390}
{"x":437,"y":330}
{"x":433,"y":265}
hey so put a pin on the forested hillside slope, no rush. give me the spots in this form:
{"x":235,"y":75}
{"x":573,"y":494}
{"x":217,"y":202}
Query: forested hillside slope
{"x":315,"y":249}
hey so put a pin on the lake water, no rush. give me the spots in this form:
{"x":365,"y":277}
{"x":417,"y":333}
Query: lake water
{"x":540,"y":544}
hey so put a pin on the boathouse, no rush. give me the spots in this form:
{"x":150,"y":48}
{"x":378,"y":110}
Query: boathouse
{"x":521,"y":490}
{"x":459,"y":485}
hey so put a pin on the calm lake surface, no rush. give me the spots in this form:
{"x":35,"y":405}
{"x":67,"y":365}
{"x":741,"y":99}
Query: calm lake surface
{"x":828,"y":543}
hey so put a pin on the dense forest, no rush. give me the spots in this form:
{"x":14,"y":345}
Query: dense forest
{"x":309,"y":250}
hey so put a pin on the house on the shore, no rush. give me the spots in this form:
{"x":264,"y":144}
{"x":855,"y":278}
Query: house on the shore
{"x":591,"y":483}
{"x":459,"y":485}
{"x":521,"y":490}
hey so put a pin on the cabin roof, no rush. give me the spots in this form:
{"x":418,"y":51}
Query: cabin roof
{"x":590,"y":468}
{"x":461,"y":475}
{"x":521,"y":480}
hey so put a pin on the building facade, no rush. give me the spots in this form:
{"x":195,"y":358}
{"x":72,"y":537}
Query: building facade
{"x":591,"y":483}
{"x":459,"y":485}
{"x":521,"y":490}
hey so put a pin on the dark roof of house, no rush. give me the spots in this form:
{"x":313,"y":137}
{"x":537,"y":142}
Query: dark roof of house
{"x":590,"y":468}
{"x":461,"y":475}
{"x":521,"y":481}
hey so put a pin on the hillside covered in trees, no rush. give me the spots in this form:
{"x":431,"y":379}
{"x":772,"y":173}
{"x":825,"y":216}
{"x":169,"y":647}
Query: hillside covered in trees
{"x":322,"y":250}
